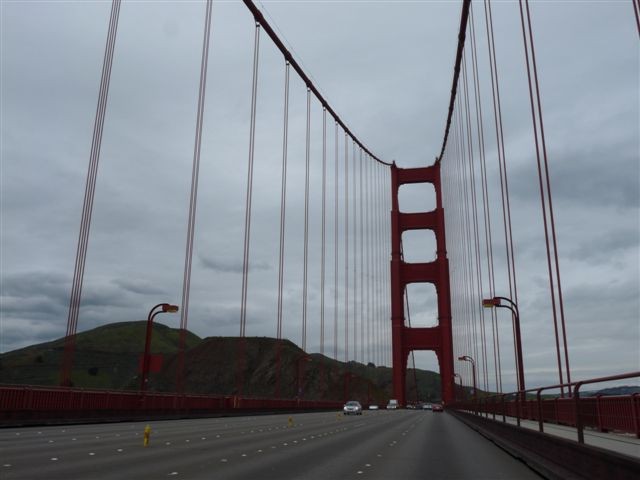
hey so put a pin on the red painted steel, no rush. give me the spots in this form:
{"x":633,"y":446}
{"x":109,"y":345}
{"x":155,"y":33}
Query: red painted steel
{"x":618,"y":413}
{"x":54,"y":403}
{"x":405,"y":339}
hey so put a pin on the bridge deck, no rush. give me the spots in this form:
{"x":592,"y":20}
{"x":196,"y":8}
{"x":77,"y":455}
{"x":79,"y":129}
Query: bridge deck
{"x":378,"y":444}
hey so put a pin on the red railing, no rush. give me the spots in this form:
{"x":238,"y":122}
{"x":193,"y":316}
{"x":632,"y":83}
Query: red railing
{"x":620,"y":413}
{"x":19,"y":402}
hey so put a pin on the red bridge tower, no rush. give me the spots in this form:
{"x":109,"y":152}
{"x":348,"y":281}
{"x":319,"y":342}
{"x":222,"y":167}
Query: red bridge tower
{"x":405,"y":339}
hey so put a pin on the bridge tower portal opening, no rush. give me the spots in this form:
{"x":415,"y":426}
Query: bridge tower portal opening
{"x":405,"y":339}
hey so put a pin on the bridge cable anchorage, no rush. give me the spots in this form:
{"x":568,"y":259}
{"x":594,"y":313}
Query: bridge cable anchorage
{"x":259,"y":18}
{"x":456,"y":71}
{"x":247,"y":225}
{"x":89,"y":194}
{"x":305,"y":275}
{"x":186,"y":282}
{"x":543,"y":167}
{"x":283,"y":207}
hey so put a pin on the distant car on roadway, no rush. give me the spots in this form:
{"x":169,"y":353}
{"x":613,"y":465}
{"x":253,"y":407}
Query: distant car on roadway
{"x":352,"y":408}
{"x":392,"y":405}
{"x":437,"y":407}
{"x":373,"y":407}
{"x":427,"y":406}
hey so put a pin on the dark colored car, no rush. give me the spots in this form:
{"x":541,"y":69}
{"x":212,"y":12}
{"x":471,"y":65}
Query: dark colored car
{"x":437,"y":407}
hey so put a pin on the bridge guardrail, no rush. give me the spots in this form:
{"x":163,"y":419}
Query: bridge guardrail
{"x":30,"y":402}
{"x":605,"y":413}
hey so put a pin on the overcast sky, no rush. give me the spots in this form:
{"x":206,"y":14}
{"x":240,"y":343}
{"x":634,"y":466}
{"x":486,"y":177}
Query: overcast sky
{"x":386,"y":68}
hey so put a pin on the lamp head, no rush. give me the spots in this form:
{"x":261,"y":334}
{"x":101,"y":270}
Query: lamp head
{"x":490,"y":302}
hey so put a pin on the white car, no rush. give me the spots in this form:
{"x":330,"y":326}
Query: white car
{"x":352,"y":408}
{"x":373,"y":407}
{"x":392,"y":405}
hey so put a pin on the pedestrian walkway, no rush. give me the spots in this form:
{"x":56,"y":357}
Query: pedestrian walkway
{"x":625,"y":443}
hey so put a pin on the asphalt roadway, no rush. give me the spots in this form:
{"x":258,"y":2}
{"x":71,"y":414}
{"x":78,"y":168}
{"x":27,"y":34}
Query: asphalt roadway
{"x":402,"y":444}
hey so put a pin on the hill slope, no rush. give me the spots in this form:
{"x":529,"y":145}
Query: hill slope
{"x":108,"y":357}
{"x":105,"y":357}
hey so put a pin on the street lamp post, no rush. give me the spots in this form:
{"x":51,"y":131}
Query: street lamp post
{"x":454,"y":382}
{"x":497,"y":302}
{"x":161,"y":308}
{"x":467,"y":358}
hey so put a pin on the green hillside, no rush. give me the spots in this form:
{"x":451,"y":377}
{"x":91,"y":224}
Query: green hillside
{"x":105,"y":357}
{"x":108,"y":357}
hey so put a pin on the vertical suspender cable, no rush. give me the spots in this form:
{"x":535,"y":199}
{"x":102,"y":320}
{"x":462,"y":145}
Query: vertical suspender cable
{"x":89,"y":194}
{"x":370,"y":344}
{"x":305,"y":276}
{"x":381,"y":326}
{"x":324,"y":221}
{"x":355,"y":255}
{"x":549,"y":194}
{"x":504,"y":183}
{"x":247,"y":218}
{"x":636,"y":11}
{"x":475,"y":305}
{"x":361,"y":198}
{"x":186,"y":284}
{"x":485,"y":196}
{"x":336,"y":252}
{"x":283,"y":207}
{"x":529,"y":44}
{"x":249,"y":193}
{"x":346,"y":248}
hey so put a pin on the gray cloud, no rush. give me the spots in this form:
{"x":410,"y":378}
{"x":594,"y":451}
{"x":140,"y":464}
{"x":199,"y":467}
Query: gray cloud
{"x":386,"y":69}
{"x":225,"y":265}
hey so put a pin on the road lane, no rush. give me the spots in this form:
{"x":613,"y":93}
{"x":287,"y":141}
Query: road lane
{"x":377,"y":445}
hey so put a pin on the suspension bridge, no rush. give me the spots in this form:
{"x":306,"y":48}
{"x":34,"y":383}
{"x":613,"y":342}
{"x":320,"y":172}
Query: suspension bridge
{"x":310,"y":242}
